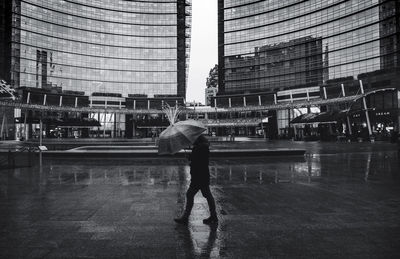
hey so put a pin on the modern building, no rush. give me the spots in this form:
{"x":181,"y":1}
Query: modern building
{"x":5,"y":36}
{"x":266,"y":47}
{"x":210,"y":92}
{"x":6,"y":121}
{"x":212,"y":85}
{"x":102,"y":49}
{"x":295,"y":63}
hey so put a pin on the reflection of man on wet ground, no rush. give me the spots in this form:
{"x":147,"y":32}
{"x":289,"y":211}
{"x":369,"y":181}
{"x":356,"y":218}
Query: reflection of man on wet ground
{"x":200,"y":181}
{"x":187,"y":242}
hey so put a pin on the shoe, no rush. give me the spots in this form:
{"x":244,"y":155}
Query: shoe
{"x":211,"y":220}
{"x":182,"y":220}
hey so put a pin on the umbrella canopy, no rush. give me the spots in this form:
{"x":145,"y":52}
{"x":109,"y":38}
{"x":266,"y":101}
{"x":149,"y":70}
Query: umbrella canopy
{"x":178,"y":136}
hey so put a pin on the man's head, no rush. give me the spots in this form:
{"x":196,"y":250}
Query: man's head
{"x":201,"y":140}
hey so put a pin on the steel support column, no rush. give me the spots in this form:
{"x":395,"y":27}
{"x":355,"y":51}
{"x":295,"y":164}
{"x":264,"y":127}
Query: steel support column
{"x":349,"y":125}
{"x":365,"y":110}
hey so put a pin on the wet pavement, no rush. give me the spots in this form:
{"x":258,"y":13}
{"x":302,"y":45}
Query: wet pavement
{"x":335,"y":202}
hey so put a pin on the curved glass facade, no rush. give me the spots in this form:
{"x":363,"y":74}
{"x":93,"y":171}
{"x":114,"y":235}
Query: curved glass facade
{"x":274,"y":45}
{"x":125,"y":47}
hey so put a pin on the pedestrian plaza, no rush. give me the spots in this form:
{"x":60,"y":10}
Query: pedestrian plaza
{"x":340,"y":200}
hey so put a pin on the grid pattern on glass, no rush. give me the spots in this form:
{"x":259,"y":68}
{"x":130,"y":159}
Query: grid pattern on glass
{"x":59,"y":61}
{"x":39,"y":29}
{"x":269,"y":3}
{"x":268,"y":53}
{"x":123,"y":47}
{"x":337,"y":56}
{"x":291,"y":28}
{"x":301,"y":78}
{"x":142,"y":16}
{"x":62,"y":18}
{"x":310,"y":11}
{"x":273,"y":8}
{"x":150,"y":89}
{"x":127,"y":6}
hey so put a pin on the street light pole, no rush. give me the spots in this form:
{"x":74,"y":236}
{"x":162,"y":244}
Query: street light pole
{"x":262,"y":125}
{"x":41,"y":132}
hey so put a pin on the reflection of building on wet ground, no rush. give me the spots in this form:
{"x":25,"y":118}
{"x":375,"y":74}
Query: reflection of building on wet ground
{"x":255,"y":172}
{"x":338,"y":201}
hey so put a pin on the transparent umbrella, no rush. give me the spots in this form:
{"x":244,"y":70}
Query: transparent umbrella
{"x":178,"y":136}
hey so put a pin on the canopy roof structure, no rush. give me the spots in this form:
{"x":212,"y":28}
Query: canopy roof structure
{"x":279,"y":106}
{"x":232,"y":122}
{"x":322,"y":117}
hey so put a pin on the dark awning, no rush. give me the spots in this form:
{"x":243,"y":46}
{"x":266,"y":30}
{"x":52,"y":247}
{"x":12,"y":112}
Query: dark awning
{"x":72,"y":122}
{"x":78,"y":123}
{"x":323,"y":117}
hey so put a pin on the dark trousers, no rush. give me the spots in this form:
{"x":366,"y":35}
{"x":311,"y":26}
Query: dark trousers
{"x":205,"y":190}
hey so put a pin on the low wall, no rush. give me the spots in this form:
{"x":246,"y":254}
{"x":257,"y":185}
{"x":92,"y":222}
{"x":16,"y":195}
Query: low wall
{"x":15,"y":159}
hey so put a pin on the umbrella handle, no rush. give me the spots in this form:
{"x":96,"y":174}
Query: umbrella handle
{"x":186,"y":154}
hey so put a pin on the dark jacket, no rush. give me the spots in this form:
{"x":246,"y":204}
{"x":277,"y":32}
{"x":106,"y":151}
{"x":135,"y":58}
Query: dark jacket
{"x":199,"y":171}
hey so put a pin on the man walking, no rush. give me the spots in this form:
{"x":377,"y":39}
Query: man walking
{"x":200,"y":180}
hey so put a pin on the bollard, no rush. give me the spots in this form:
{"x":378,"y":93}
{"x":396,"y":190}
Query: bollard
{"x":398,"y":146}
{"x":11,"y":161}
{"x":29,"y":157}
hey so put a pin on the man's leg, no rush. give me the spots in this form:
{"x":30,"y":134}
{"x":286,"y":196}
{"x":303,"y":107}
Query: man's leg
{"x":205,"y":190}
{"x":191,"y":192}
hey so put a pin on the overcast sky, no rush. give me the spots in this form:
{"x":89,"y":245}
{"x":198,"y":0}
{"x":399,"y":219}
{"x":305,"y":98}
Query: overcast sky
{"x":204,"y":49}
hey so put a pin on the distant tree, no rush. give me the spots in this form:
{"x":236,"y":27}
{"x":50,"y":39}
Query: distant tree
{"x":212,"y":79}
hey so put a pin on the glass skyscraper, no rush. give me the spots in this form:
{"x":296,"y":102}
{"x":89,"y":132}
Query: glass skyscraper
{"x":101,"y":46}
{"x":278,"y":51}
{"x":107,"y":54}
{"x":276,"y":45}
